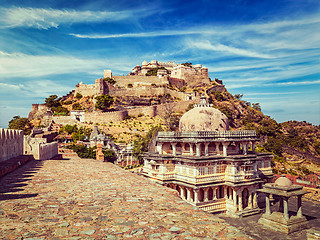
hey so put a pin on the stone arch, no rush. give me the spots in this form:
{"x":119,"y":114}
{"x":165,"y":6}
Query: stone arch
{"x":167,"y":148}
{"x":210,"y":193}
{"x":245,"y":198}
{"x":179,"y":149}
{"x":201,"y":195}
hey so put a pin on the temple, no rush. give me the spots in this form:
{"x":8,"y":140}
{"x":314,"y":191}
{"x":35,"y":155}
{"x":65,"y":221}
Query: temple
{"x":211,"y":167}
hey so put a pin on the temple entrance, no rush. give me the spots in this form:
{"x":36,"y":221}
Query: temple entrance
{"x":245,"y":198}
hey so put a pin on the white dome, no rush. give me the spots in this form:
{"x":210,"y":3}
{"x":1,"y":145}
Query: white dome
{"x":203,"y":119}
{"x":283,"y":182}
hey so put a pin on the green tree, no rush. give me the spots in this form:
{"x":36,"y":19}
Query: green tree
{"x":20,"y":124}
{"x":109,"y":155}
{"x":141,"y":144}
{"x":109,"y":80}
{"x":76,"y":106}
{"x":187,"y":64}
{"x":78,"y":95}
{"x":52,"y":101}
{"x":104,"y":102}
{"x":70,"y":128}
{"x":238,"y":96}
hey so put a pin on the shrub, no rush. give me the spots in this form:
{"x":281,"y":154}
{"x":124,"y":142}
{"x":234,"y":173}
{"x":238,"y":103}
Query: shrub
{"x":20,"y":124}
{"x":109,"y":80}
{"x":130,"y":85}
{"x":104,"y":102}
{"x":78,"y":95}
{"x":76,"y":106}
{"x":140,"y":115}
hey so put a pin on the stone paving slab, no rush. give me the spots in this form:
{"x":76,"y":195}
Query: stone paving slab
{"x":87,"y":199}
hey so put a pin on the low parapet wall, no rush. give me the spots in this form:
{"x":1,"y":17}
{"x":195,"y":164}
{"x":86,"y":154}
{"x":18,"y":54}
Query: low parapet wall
{"x":48,"y":150}
{"x":11,"y":143}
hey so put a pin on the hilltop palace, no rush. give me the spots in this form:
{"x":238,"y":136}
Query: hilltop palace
{"x":211,"y":167}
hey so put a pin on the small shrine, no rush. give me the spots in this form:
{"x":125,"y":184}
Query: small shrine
{"x":283,"y":220}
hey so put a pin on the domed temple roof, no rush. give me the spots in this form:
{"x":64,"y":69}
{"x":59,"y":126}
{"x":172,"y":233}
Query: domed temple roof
{"x":283,"y":182}
{"x":203,"y":117}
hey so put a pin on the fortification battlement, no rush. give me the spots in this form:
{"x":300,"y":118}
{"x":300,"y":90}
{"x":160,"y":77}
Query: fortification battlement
{"x":11,"y":143}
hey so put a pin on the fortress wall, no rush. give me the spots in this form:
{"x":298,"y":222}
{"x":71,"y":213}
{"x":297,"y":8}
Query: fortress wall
{"x":11,"y":143}
{"x":64,"y":120}
{"x":104,"y":117}
{"x":47,"y":150}
{"x":85,"y":90}
{"x":144,"y":91}
{"x":123,"y":81}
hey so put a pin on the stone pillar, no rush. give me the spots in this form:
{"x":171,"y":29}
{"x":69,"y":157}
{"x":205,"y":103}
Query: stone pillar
{"x":174,"y":149}
{"x":235,"y":198}
{"x":188,"y":195}
{"x":196,"y":197}
{"x":245,"y":148}
{"x":182,"y":193}
{"x":254,"y":147}
{"x":280,"y":204}
{"x":205,"y":193}
{"x":198,"y":149}
{"x":299,"y":204}
{"x":250,"y":201}
{"x":191,"y":149}
{"x":217,"y":148}
{"x":206,"y":149}
{"x":160,"y":150}
{"x":225,"y":147}
{"x":99,"y":153}
{"x":267,"y":205}
{"x":255,"y":200}
{"x":285,"y":208}
{"x":214,"y":193}
{"x":240,"y":202}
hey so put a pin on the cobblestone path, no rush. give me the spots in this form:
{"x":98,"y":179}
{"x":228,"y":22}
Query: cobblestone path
{"x":86,"y":199}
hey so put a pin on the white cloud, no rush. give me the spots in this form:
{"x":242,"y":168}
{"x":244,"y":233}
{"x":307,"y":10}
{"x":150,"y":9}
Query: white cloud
{"x":298,"y":83}
{"x":47,"y":18}
{"x":206,"y":45}
{"x":23,"y":65}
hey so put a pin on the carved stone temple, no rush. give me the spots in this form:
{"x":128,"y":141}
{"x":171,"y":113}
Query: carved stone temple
{"x":211,"y":167}
{"x":283,"y":220}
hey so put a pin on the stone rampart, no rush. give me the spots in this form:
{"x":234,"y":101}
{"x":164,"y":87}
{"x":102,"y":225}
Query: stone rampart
{"x":100,"y":87}
{"x":64,"y":120}
{"x":11,"y":143}
{"x":123,"y":81}
{"x":146,"y":91}
{"x":104,"y":117}
{"x":47,"y":150}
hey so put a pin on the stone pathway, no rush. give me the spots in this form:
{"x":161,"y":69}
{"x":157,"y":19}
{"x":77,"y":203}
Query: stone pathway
{"x":86,"y":199}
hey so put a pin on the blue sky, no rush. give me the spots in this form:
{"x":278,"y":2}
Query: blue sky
{"x":266,"y":50}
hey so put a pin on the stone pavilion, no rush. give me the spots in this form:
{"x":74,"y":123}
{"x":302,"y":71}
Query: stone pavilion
{"x":210,"y":166}
{"x":282,"y":220}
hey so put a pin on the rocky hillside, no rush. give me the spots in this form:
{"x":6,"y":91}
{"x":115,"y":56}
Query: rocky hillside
{"x":296,"y":145}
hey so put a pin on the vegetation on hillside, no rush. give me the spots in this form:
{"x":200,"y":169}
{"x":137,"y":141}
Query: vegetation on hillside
{"x":21,"y":124}
{"x":78,"y":134}
{"x":85,"y":152}
{"x":104,"y":102}
{"x":54,"y":103}
{"x":141,"y":144}
{"x":154,"y":71}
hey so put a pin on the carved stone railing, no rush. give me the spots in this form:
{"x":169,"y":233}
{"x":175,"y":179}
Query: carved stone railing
{"x":218,"y":205}
{"x":210,"y":134}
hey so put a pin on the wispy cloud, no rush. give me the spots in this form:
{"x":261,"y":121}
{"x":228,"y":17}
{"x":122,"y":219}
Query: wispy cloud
{"x":298,"y":83}
{"x":42,"y":18}
{"x":24,"y":65}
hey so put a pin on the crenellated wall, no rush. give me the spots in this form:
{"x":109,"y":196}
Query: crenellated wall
{"x":11,"y":143}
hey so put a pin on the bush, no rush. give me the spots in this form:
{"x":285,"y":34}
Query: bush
{"x":109,"y":80}
{"x":130,"y":85}
{"x":77,"y":106}
{"x":20,"y":124}
{"x":140,"y":115}
{"x":104,"y":102}
{"x":78,"y":95}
